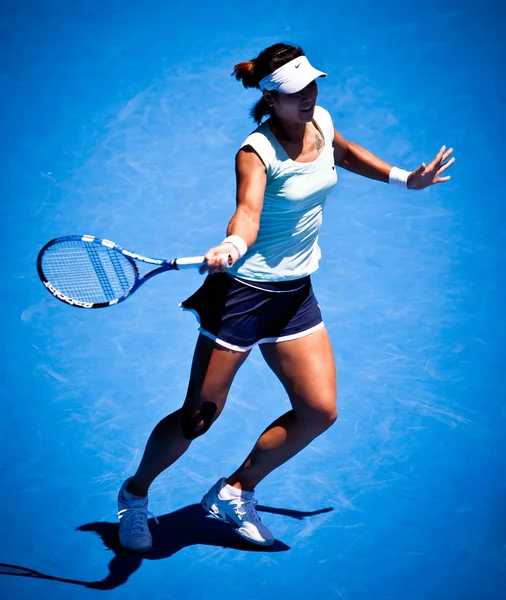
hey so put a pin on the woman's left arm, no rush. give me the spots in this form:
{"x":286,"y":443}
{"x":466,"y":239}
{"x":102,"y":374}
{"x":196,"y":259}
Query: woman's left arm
{"x":356,"y":159}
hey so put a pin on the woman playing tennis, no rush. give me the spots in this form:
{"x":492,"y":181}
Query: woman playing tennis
{"x":285,"y":170}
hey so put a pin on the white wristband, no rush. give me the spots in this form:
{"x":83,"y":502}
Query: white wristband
{"x":238,"y":242}
{"x":399,"y":177}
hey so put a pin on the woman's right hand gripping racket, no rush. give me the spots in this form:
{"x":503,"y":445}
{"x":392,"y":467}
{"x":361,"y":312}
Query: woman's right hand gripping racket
{"x":90,"y":272}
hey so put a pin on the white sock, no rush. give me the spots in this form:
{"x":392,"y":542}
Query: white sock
{"x":229,"y":492}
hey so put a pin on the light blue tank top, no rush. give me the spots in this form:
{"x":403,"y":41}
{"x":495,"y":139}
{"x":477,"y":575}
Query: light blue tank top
{"x":287,"y":243}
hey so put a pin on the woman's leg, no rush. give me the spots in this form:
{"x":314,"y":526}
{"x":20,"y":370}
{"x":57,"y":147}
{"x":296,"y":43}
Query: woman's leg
{"x":212,"y":372}
{"x":305,"y":367}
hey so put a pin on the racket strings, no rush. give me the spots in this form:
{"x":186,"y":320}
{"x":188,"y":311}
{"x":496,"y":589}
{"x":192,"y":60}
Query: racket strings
{"x":88,"y":272}
{"x":100,"y":271}
{"x":118,"y":260}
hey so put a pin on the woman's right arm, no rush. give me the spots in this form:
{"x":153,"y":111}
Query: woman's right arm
{"x":251,"y":180}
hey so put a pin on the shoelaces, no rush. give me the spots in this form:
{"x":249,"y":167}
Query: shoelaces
{"x":246,"y":508}
{"x":135,"y":517}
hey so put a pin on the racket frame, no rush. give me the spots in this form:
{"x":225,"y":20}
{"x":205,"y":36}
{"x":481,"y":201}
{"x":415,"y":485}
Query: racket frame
{"x":162,"y":265}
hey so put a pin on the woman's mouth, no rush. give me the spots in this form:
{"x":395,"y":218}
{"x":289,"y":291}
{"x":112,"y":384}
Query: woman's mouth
{"x":308,"y":108}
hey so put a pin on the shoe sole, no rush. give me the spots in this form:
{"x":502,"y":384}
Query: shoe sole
{"x":137,"y":550}
{"x":214,"y":511}
{"x":143,"y":550}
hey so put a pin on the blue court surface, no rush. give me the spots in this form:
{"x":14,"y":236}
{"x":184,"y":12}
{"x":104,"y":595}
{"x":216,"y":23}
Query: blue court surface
{"x":120,"y":119}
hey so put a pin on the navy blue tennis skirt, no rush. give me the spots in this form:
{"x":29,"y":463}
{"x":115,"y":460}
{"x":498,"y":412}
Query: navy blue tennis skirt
{"x":238,"y":313}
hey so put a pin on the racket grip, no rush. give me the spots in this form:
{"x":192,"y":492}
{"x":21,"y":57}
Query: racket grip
{"x":194,"y":262}
{"x":190,"y":262}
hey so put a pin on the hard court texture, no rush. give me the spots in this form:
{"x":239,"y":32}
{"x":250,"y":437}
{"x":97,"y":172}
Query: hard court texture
{"x":120,"y":119}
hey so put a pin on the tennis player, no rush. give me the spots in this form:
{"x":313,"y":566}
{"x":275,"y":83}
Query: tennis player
{"x":285,"y":170}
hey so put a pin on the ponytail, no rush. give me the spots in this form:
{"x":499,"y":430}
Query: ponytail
{"x":245,"y":72}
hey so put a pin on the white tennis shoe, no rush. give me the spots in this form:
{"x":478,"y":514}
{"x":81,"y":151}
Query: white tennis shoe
{"x":238,"y":509}
{"x":134,"y":534}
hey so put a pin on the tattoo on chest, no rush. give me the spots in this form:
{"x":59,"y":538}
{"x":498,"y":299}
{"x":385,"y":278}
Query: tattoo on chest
{"x":319,"y":143}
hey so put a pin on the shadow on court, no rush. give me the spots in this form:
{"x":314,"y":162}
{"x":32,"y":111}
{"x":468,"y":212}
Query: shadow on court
{"x":185,"y":527}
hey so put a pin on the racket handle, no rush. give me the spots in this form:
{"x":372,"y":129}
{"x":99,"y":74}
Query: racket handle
{"x":194,"y":262}
{"x":190,"y":262}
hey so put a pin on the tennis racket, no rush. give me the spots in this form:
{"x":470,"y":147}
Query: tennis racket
{"x":90,"y":272}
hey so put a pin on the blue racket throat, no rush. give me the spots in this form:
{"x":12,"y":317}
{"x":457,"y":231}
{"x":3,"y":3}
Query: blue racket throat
{"x":90,"y":272}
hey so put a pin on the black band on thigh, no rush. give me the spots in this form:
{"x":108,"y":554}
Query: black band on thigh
{"x":195,"y":423}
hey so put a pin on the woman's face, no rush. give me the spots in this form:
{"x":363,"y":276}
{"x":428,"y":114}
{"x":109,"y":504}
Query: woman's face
{"x":295,"y":108}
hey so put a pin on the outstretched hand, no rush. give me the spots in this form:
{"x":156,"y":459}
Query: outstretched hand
{"x":430,"y":174}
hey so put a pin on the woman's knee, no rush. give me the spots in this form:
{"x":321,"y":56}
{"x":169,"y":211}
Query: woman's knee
{"x":320,"y":416}
{"x":200,"y":410}
{"x":195,"y":423}
{"x":327,"y":417}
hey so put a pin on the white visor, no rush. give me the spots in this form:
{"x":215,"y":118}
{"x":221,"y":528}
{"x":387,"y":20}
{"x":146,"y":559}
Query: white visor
{"x":292,"y":77}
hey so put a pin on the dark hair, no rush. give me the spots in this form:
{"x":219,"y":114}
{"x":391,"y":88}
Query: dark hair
{"x":251,"y":72}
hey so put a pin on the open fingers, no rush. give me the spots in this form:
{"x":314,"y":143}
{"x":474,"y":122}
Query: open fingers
{"x":442,"y":179}
{"x":440,"y":159}
{"x":442,"y":169}
{"x":445,"y":166}
{"x":437,"y":160}
{"x":447,"y":154}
